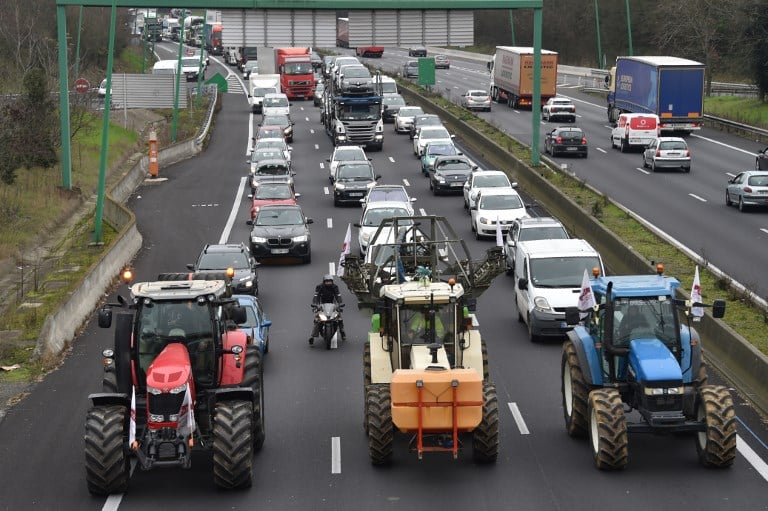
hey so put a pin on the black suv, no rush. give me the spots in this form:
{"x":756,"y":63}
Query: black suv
{"x":217,"y":258}
{"x":352,"y":181}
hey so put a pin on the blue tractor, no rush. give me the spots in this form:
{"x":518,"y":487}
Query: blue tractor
{"x":632,"y":353}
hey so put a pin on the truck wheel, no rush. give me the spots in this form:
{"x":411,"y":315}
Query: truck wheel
{"x":253,"y":377}
{"x":106,"y":459}
{"x":485,"y":437}
{"x":716,"y":445}
{"x":608,"y":429}
{"x":381,"y":432}
{"x":233,"y":445}
{"x":575,"y":392}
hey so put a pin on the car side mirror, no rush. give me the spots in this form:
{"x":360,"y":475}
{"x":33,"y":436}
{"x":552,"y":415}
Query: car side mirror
{"x":522,"y":283}
{"x":310,"y":221}
{"x":191,"y":267}
{"x":249,"y":222}
{"x":377,"y":177}
{"x":297,"y":195}
{"x":413,"y":199}
{"x":105,"y":317}
{"x":357,"y":224}
{"x":473,"y":207}
{"x":718,"y":309}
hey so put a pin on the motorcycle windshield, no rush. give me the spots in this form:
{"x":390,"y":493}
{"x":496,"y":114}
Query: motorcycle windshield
{"x":329,"y":309}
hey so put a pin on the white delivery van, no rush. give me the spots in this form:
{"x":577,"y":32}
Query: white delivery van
{"x":165,"y":67}
{"x":388,"y":84}
{"x":259,"y":85}
{"x":548,"y":276}
{"x":634,"y":130}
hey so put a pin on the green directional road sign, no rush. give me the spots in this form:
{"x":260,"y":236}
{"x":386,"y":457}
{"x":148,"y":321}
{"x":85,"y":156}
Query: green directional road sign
{"x":220,"y":82}
{"x":426,"y":71}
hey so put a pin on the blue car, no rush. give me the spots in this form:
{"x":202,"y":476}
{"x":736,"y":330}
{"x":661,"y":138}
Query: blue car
{"x":256,"y":325}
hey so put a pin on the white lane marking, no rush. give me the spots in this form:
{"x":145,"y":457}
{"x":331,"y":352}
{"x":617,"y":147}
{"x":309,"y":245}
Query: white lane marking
{"x":312,"y":130}
{"x":697,"y":197}
{"x":306,"y":118}
{"x":601,"y":150}
{"x":724,"y":144}
{"x":325,"y":190}
{"x":751,"y":456}
{"x":335,"y":455}
{"x":406,"y":183}
{"x":332,"y":268}
{"x":322,"y":165}
{"x":317,"y":146}
{"x":391,"y":159}
{"x":249,"y":142}
{"x":422,"y":212}
{"x":518,"y":418}
{"x":233,"y":213}
{"x":765,"y":231}
{"x":642,"y":170}
{"x":329,"y":223}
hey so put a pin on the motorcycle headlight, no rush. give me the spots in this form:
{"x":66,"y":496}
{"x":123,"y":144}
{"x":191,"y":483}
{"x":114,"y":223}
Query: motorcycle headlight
{"x":300,"y":239}
{"x":258,"y":239}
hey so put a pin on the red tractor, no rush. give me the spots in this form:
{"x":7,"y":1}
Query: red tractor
{"x":180,"y":377}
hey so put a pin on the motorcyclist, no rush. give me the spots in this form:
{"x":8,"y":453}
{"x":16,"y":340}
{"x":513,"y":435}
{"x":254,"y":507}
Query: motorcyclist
{"x":327,"y":292}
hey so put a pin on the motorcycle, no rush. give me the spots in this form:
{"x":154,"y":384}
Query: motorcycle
{"x":329,"y":317}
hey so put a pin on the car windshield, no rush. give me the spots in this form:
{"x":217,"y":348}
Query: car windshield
{"x":266,"y":154}
{"x":410,"y":111}
{"x":561,"y":271}
{"x":222,"y":260}
{"x":500,"y":202}
{"x":359,"y":111}
{"x":441,"y":150}
{"x":348,"y":154}
{"x":543,"y":233}
{"x":190,"y":61}
{"x":432,"y":134}
{"x":276,"y":120}
{"x":357,"y":72}
{"x":272,"y":169}
{"x":453,"y":165}
{"x":276,"y":101}
{"x":673,"y":145}
{"x":279,"y":216}
{"x":478,"y":93}
{"x":570,"y":134}
{"x":393,"y":101}
{"x":354,"y":172}
{"x":559,"y":102}
{"x":263,"y":91}
{"x":374,"y":217}
{"x":388,"y":194}
{"x":297,"y":68}
{"x":271,"y":143}
{"x":273,"y":191}
{"x":490,"y":181}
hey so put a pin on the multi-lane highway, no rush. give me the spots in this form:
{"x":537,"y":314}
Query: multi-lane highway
{"x":315,"y":455}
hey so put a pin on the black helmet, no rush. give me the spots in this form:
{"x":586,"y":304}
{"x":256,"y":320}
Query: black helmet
{"x":328,"y":279}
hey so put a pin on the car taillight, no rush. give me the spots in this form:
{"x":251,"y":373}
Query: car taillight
{"x":559,"y":140}
{"x":658,"y":153}
{"x":688,"y":153}
{"x":583,"y":141}
{"x":748,"y":189}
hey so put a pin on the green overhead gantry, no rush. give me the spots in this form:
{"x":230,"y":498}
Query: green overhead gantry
{"x":334,"y":5}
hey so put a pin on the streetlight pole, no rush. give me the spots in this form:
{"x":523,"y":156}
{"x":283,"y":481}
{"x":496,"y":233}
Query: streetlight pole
{"x":629,"y":31}
{"x":599,"y":44}
{"x":77,"y":49}
{"x":175,"y":122}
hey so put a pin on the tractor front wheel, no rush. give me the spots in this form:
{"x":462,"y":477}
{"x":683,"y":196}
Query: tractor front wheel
{"x":366,"y":382}
{"x":575,"y":393}
{"x":608,"y":429}
{"x":253,"y":377}
{"x":106,"y":457}
{"x":716,"y":445}
{"x":381,"y":431}
{"x":233,"y":444}
{"x":485,"y":437}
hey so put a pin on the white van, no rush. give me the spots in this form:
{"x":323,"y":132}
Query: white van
{"x":634,"y":130}
{"x":388,"y":84}
{"x":165,"y":67}
{"x":548,"y":276}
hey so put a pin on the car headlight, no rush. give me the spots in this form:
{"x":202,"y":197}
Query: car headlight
{"x":340,"y":186}
{"x":246,"y":279}
{"x":366,"y":236}
{"x":258,"y":239}
{"x":371,"y":184}
{"x":541,"y":304}
{"x":300,"y":239}
{"x":440,"y":179}
{"x":483,"y":220}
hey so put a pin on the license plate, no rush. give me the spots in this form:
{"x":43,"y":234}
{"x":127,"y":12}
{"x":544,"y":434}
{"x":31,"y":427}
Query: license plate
{"x":571,"y":148}
{"x":457,"y":184}
{"x":279,"y":250}
{"x":356,"y":194}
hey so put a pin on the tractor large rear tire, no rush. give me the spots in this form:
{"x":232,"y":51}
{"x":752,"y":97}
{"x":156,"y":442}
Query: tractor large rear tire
{"x":106,"y":459}
{"x":484,"y":351}
{"x":233,"y":444}
{"x":366,"y":382}
{"x":381,"y":431}
{"x":575,"y":392}
{"x":485,"y":437}
{"x":253,"y":377}
{"x":608,"y":429}
{"x":716,"y":445}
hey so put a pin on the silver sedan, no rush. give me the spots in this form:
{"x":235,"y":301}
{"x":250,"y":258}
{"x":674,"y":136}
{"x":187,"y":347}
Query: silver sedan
{"x":747,"y":188}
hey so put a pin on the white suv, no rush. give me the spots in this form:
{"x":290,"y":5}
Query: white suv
{"x":482,"y":179}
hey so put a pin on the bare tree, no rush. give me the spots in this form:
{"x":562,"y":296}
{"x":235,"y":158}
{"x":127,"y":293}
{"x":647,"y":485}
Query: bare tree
{"x":697,"y":29}
{"x":24,"y":35}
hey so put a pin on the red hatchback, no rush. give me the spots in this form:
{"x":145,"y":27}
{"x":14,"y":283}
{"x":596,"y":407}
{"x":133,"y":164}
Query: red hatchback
{"x":272,"y":193}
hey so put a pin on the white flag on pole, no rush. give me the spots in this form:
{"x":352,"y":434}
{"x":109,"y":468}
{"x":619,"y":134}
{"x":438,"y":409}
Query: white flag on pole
{"x":132,"y":425}
{"x":696,"y":312}
{"x":586,"y":297}
{"x":346,"y":249}
{"x":187,"y":415}
{"x":499,"y":238}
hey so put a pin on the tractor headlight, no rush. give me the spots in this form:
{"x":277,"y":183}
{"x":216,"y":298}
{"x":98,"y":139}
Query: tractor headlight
{"x":662,"y":391}
{"x":179,"y":389}
{"x":154,"y":391}
{"x":156,"y":418}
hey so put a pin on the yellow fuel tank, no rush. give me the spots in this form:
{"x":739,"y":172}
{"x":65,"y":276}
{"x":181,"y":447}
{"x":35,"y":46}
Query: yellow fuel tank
{"x":436,"y":393}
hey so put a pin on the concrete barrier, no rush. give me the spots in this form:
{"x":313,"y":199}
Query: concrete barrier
{"x":726,"y":350}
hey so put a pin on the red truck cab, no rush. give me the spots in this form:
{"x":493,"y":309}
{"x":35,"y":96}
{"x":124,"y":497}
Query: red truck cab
{"x":297,"y":79}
